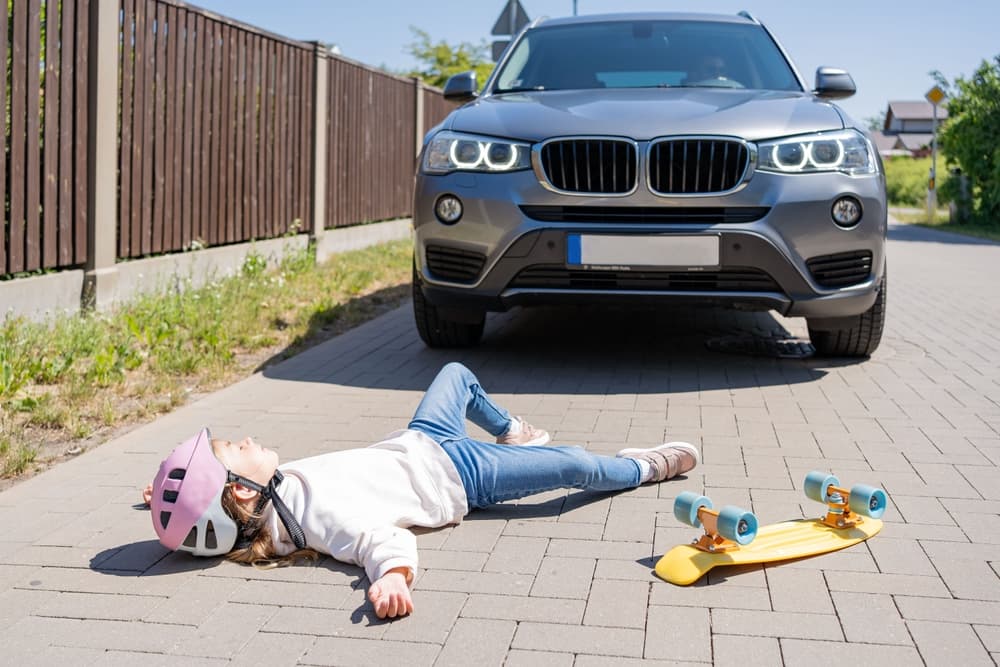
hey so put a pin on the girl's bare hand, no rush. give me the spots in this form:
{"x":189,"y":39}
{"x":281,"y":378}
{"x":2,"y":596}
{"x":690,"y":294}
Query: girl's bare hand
{"x":391,"y":596}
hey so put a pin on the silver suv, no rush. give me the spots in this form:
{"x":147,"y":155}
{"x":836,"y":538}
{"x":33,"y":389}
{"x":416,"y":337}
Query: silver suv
{"x":651,"y":157}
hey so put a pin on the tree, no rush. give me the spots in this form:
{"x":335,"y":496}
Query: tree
{"x":876,"y":122}
{"x":971,"y":135}
{"x":441,"y":60}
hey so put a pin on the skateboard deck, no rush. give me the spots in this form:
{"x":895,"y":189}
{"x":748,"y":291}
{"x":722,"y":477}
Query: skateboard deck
{"x":686,"y":564}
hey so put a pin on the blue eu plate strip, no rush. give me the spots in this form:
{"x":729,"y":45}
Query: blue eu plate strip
{"x":574,"y":254}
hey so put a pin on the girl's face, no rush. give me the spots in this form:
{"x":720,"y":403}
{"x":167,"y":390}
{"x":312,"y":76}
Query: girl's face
{"x":247,"y":458}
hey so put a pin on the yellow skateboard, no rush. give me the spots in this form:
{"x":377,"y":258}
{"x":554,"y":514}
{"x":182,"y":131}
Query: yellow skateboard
{"x":732,"y":537}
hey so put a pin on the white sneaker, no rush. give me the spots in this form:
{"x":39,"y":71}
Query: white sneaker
{"x":667,"y":460}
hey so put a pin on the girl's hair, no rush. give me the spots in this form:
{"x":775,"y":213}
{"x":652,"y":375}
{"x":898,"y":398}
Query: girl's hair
{"x":260,"y":552}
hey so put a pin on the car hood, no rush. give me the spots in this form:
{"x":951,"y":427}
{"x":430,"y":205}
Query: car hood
{"x":645,"y":113}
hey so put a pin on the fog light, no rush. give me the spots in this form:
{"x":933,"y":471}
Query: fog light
{"x":846,"y":211}
{"x":448,"y":209}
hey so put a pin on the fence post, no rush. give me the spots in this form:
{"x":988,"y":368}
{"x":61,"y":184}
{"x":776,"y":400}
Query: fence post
{"x":319,"y":156}
{"x":101,"y":274}
{"x":419,"y":112}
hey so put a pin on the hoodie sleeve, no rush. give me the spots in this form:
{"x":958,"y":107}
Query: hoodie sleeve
{"x":377,"y":549}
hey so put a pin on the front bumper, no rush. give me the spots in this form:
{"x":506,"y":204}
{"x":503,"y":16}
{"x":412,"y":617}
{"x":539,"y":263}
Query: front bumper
{"x":768,"y":263}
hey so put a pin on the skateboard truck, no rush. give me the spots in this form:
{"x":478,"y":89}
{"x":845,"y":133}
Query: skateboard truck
{"x":711,"y":541}
{"x":838,"y":513}
{"x":725,"y":530}
{"x":845,"y":507}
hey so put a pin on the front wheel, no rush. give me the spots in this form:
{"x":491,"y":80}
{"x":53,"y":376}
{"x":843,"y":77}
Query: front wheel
{"x":439,"y":331}
{"x":856,"y":336}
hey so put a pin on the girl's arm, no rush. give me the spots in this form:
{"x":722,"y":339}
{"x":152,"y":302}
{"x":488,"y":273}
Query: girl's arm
{"x":390,"y":595}
{"x":379,"y":550}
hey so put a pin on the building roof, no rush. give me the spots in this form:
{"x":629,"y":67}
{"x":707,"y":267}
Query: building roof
{"x":883,"y":142}
{"x":915,"y":110}
{"x":915,"y":141}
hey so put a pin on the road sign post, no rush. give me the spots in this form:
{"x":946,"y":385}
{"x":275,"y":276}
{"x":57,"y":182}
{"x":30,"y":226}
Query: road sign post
{"x":935,"y":96}
{"x":509,"y":23}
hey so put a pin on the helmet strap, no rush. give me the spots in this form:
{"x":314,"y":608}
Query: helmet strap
{"x":269,"y":493}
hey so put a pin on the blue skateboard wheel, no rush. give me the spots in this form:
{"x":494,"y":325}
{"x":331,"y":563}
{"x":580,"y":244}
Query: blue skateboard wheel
{"x":686,"y":507}
{"x":867,"y":500}
{"x":738,"y":525}
{"x":817,"y":485}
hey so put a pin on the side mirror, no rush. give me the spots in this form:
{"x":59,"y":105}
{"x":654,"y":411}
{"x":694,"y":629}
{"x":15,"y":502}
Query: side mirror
{"x":461,"y":87}
{"x":834,"y":84}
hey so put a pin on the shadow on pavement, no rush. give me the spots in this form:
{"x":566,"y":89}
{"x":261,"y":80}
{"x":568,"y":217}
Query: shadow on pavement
{"x":554,"y":507}
{"x":577,"y":350}
{"x":147,"y":558}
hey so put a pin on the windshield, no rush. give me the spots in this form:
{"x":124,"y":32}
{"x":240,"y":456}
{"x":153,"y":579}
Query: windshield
{"x":642,"y":54}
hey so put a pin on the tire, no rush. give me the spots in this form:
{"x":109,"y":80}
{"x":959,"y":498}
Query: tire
{"x":856,"y":336}
{"x":438,"y":331}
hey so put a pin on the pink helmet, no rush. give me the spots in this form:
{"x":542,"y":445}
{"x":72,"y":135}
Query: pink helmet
{"x":187,"y":500}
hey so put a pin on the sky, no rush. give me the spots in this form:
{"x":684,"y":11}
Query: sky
{"x":888,"y":46}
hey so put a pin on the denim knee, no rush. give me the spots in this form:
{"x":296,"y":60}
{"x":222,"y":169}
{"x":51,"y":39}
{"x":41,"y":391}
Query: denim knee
{"x":584,"y":469}
{"x":456,"y":368}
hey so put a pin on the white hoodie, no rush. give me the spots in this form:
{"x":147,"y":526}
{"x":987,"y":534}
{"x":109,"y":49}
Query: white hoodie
{"x":356,"y":504}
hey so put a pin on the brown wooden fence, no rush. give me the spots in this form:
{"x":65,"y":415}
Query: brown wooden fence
{"x":43,"y":173}
{"x":371,"y":144}
{"x":216,"y":133}
{"x":436,"y":108}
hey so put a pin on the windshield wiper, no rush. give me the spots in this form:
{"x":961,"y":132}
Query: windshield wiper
{"x":665,"y":85}
{"x":518,"y":89}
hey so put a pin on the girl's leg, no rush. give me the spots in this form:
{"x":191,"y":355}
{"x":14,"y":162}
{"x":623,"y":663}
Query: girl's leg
{"x":453,"y":397}
{"x":495,"y":473}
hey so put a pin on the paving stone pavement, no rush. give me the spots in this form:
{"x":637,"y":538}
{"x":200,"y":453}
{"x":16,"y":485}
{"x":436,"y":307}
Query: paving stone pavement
{"x":566,"y":578}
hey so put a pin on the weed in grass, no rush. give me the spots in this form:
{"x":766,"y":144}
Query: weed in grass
{"x":108,"y":413}
{"x":14,"y":364}
{"x":76,"y":390}
{"x":16,"y":457}
{"x":49,"y":413}
{"x":254,"y":264}
{"x":81,"y":430}
{"x":298,"y":261}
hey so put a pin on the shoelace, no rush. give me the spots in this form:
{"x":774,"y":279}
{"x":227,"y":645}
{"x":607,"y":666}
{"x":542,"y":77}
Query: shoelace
{"x":269,"y":493}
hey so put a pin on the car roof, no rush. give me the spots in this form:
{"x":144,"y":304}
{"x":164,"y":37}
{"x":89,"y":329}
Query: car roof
{"x":646,"y":16}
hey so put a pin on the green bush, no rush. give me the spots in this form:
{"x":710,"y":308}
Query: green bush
{"x":906,"y":180}
{"x":970,"y":137}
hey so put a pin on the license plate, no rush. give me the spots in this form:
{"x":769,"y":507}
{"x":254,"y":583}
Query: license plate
{"x":638,"y":251}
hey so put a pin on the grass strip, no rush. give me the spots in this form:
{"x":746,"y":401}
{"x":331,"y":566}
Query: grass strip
{"x":69,"y":383}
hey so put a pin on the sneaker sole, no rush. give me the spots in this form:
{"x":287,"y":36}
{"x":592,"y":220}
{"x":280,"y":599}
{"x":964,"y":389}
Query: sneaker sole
{"x":686,"y":446}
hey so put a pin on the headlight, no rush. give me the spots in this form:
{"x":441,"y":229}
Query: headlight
{"x":846,"y":151}
{"x":452,"y":151}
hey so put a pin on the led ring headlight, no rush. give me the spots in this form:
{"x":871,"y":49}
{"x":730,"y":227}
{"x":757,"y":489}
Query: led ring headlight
{"x":497,"y":161}
{"x":790,"y":150}
{"x":826,"y":164}
{"x":847,"y":151}
{"x":456,"y":151}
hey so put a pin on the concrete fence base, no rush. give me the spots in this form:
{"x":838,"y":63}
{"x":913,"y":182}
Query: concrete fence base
{"x":40,"y":298}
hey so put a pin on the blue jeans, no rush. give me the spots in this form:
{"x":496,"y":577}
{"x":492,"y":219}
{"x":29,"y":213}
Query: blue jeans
{"x":493,"y":473}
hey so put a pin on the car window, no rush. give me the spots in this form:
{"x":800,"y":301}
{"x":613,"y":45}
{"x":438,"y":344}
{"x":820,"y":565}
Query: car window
{"x":638,"y":54}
